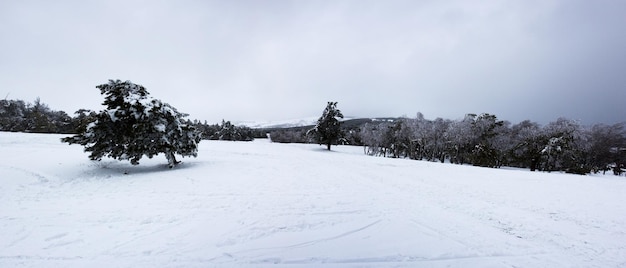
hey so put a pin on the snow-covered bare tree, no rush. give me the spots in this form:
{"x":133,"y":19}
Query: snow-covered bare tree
{"x":372,"y":135}
{"x":398,"y":139}
{"x":528,"y":140}
{"x":566,"y":146}
{"x":328,"y":128}
{"x":135,"y":124}
{"x":460,"y":139}
{"x":607,"y":147}
{"x":485,"y":129}
{"x":502,"y":143}
{"x":438,"y":136}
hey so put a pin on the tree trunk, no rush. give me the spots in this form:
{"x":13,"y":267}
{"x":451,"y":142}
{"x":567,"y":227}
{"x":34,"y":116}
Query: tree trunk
{"x":533,"y":164}
{"x":171,"y":159}
{"x":328,"y":146}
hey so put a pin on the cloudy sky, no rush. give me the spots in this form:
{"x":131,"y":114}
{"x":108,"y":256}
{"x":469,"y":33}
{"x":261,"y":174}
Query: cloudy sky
{"x":277,"y":60}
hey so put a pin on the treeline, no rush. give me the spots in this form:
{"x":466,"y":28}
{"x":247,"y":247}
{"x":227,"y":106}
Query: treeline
{"x":20,"y":116}
{"x":290,"y":135}
{"x":483,"y":140}
{"x":227,"y":131}
{"x":350,"y":133}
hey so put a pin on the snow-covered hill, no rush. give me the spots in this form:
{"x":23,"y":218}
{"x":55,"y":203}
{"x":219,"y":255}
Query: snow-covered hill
{"x":281,"y":123}
{"x":258,"y":204}
{"x":300,"y":122}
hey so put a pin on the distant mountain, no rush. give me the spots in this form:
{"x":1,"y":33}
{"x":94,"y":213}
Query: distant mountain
{"x":309,"y":121}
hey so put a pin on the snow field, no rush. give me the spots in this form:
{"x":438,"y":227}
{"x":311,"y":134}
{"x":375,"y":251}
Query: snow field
{"x":258,"y":204}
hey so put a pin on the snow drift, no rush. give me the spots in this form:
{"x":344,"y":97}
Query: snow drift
{"x":259,"y":204}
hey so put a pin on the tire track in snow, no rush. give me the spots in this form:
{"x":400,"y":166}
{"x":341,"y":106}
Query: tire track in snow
{"x":518,"y":219}
{"x":46,"y":258}
{"x":308,"y":243}
{"x":399,"y":259}
{"x":521,"y":222}
{"x":430,"y":202}
{"x":61,"y":235}
{"x":40,"y":177}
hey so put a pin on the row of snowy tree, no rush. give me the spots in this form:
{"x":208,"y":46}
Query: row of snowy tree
{"x":227,"y":131}
{"x":290,"y":135}
{"x":38,"y":117}
{"x":20,"y":116}
{"x":483,"y":140}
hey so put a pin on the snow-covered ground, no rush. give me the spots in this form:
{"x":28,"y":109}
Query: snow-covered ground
{"x":260,"y":204}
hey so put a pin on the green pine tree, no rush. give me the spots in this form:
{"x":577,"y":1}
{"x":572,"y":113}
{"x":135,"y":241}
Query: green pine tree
{"x":134,"y":124}
{"x":328,"y":128}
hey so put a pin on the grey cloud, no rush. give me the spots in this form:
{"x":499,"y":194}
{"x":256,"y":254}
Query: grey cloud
{"x":272,"y":60}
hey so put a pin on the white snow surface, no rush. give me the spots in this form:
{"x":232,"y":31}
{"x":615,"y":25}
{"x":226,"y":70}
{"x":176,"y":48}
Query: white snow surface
{"x":259,"y":204}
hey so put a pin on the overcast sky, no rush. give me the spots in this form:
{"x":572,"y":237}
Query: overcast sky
{"x":276,"y":60}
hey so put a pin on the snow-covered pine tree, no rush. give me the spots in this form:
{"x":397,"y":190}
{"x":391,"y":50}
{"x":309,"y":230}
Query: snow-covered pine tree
{"x":328,"y":128}
{"x":135,"y":124}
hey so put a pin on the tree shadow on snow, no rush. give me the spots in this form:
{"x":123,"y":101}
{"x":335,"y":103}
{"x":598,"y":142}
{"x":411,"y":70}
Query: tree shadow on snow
{"x":323,"y":149}
{"x":110,"y":168}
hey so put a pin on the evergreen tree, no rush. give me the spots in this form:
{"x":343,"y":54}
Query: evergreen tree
{"x":328,"y":128}
{"x":38,"y":118}
{"x":227,"y":131}
{"x":12,"y":115}
{"x":134,"y":124}
{"x":82,"y":119}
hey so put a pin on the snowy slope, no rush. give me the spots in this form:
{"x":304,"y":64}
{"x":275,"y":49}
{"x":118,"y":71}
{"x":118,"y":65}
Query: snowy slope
{"x":260,"y":204}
